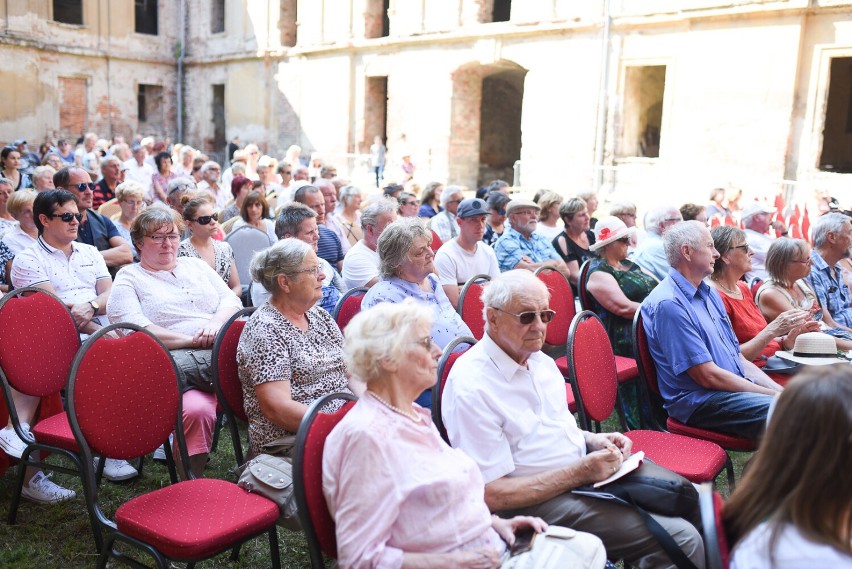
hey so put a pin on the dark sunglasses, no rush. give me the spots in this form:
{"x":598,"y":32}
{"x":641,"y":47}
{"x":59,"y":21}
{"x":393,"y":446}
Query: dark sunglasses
{"x":67,"y":216}
{"x":409,"y":203}
{"x":203,"y":220}
{"x":83,"y":187}
{"x":625,"y":240}
{"x":528,"y":317}
{"x":500,"y":211}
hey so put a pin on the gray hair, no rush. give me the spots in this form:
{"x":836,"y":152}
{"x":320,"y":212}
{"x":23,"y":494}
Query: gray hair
{"x":517,"y":283}
{"x":680,"y":234}
{"x":110,"y":159}
{"x":780,"y":257}
{"x":291,"y":217}
{"x":347,"y":193}
{"x":571,"y":207}
{"x":656,"y":216}
{"x":150,"y":220}
{"x":299,"y":195}
{"x":6,"y":182}
{"x":371,"y":213}
{"x":129,"y":189}
{"x":181,"y":184}
{"x":829,"y":223}
{"x":724,"y":237}
{"x":43,"y":172}
{"x":209,"y":164}
{"x":449,"y":192}
{"x":382,"y":333}
{"x":396,"y":241}
{"x":622,"y":208}
{"x":238,"y":168}
{"x":285,"y":257}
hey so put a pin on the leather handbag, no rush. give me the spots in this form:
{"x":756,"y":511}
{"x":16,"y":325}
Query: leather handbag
{"x":271,"y":476}
{"x":654,"y":489}
{"x":195,"y":369}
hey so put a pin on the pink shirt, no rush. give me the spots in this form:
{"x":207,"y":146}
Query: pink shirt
{"x":394,"y":486}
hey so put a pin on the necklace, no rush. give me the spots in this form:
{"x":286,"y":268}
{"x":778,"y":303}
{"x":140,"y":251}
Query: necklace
{"x":413,"y":416}
{"x":735,"y":292}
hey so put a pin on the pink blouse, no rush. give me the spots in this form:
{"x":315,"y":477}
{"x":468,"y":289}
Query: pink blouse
{"x":394,"y":486}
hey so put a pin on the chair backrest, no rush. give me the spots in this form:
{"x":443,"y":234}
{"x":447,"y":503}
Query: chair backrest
{"x":226,"y":379}
{"x":246,"y":241}
{"x":470,"y":304}
{"x":307,"y":476}
{"x":562,"y":301}
{"x":436,"y":242}
{"x":38,"y":341}
{"x":348,"y":306}
{"x":591,"y":366}
{"x":582,"y":290}
{"x":715,"y":540}
{"x":229,"y":225}
{"x":754,"y":285}
{"x":445,"y":364}
{"x":123,"y":395}
{"x":109,"y":208}
{"x":648,"y":388}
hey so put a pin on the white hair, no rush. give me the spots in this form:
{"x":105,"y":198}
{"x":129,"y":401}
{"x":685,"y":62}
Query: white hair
{"x":656,"y":216}
{"x":680,"y":234}
{"x":829,"y":223}
{"x":449,"y":192}
{"x":517,"y":283}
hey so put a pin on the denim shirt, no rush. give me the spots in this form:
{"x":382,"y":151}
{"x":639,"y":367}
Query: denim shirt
{"x":512,"y":246}
{"x":687,"y":326}
{"x":831,"y":291}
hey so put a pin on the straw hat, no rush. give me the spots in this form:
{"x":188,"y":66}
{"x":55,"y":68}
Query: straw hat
{"x":813,"y":348}
{"x":609,"y":229}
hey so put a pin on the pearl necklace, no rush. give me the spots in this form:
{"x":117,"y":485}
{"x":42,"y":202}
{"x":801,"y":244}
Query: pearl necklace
{"x":413,"y":416}
{"x":726,"y":289}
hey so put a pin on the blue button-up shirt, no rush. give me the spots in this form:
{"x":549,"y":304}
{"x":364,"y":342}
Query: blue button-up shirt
{"x":687,"y":326}
{"x":651,"y":256}
{"x":831,"y":291}
{"x":512,"y":246}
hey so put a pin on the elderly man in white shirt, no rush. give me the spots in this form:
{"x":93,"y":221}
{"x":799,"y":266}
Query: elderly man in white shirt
{"x":138,"y":169}
{"x":361,"y":265}
{"x":77,"y":274}
{"x":210,"y":172}
{"x":504,"y":405}
{"x":757,"y":219}
{"x":444,"y":223}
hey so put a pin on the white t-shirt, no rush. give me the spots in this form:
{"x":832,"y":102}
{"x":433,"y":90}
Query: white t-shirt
{"x":222,"y":195}
{"x":360,"y":266}
{"x":549,"y":233}
{"x":455,"y":266}
{"x":137,"y":173}
{"x":792,"y":551}
{"x":759,"y":245}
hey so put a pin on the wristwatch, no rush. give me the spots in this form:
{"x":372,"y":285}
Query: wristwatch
{"x":95,"y":306}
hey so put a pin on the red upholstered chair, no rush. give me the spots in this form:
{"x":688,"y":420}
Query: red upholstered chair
{"x":436,"y":242}
{"x":348,"y":306}
{"x":592,"y":367}
{"x":126,"y":410}
{"x":307,"y":477}
{"x":650,"y":391}
{"x":715,"y":540}
{"x":445,"y":364}
{"x":754,"y":285}
{"x":226,"y":379}
{"x":470,"y":304}
{"x":38,"y":340}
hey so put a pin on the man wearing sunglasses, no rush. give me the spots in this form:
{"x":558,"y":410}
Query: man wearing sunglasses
{"x":504,"y":405}
{"x":77,"y":274}
{"x":94,"y":229}
{"x":521,"y":247}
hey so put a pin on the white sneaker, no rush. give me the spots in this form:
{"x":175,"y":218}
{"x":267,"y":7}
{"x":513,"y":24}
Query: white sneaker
{"x":11,"y":443}
{"x":116,"y":470}
{"x":41,"y":489}
{"x":160,"y":453}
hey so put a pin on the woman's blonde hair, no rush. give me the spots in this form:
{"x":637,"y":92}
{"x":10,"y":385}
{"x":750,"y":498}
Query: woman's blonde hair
{"x":546,"y":201}
{"x":129,"y":189}
{"x":382,"y":333}
{"x":18,"y":200}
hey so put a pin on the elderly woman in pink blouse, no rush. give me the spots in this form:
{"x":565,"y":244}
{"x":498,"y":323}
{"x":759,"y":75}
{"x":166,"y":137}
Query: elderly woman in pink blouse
{"x":183,"y":302}
{"x":399,"y":495}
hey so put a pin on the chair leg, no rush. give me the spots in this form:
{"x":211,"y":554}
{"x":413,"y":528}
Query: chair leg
{"x":220,"y":422}
{"x":235,"y":439}
{"x":170,"y":462}
{"x":19,"y":487}
{"x":190,"y":565}
{"x":106,"y":549}
{"x":99,"y":473}
{"x":273,"y":547}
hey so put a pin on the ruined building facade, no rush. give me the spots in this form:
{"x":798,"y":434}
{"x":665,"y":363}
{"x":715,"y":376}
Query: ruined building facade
{"x":670,"y":95}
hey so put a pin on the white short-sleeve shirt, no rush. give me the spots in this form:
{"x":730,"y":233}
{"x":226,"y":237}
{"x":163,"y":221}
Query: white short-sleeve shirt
{"x":73,"y":278}
{"x":512,"y":420}
{"x":455,"y":266}
{"x":360,"y":266}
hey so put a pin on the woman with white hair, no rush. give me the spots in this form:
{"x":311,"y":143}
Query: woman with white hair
{"x":408,"y":271}
{"x":131,"y":199}
{"x":401,"y":497}
{"x":349,"y":214}
{"x":291,"y":350}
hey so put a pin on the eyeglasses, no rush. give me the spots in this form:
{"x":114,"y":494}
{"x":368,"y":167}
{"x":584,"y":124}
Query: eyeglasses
{"x":425,"y":342}
{"x":286,"y":173}
{"x":500,"y":211}
{"x":454,"y":201}
{"x":317,"y":270}
{"x":67,"y":217}
{"x":625,"y":240}
{"x":672,"y":220}
{"x":409,"y":203}
{"x":807,"y":261}
{"x":203,"y":219}
{"x":182,"y":188}
{"x":745,"y":248}
{"x":83,"y":187}
{"x":136,"y":203}
{"x":526,"y":318}
{"x":160,"y":238}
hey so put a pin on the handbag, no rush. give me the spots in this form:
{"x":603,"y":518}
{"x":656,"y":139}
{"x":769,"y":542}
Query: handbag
{"x":271,"y":476}
{"x":654,"y":489}
{"x":195,"y":369}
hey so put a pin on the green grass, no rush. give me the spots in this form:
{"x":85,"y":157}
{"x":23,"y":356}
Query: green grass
{"x":60,"y":535}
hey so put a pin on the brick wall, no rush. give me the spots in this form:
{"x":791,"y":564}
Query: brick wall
{"x":73,"y":107}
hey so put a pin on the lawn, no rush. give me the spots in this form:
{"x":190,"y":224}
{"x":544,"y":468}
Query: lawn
{"x":60,"y":536}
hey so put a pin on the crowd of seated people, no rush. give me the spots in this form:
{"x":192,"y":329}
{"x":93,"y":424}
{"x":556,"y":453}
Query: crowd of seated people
{"x":713,"y":341}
